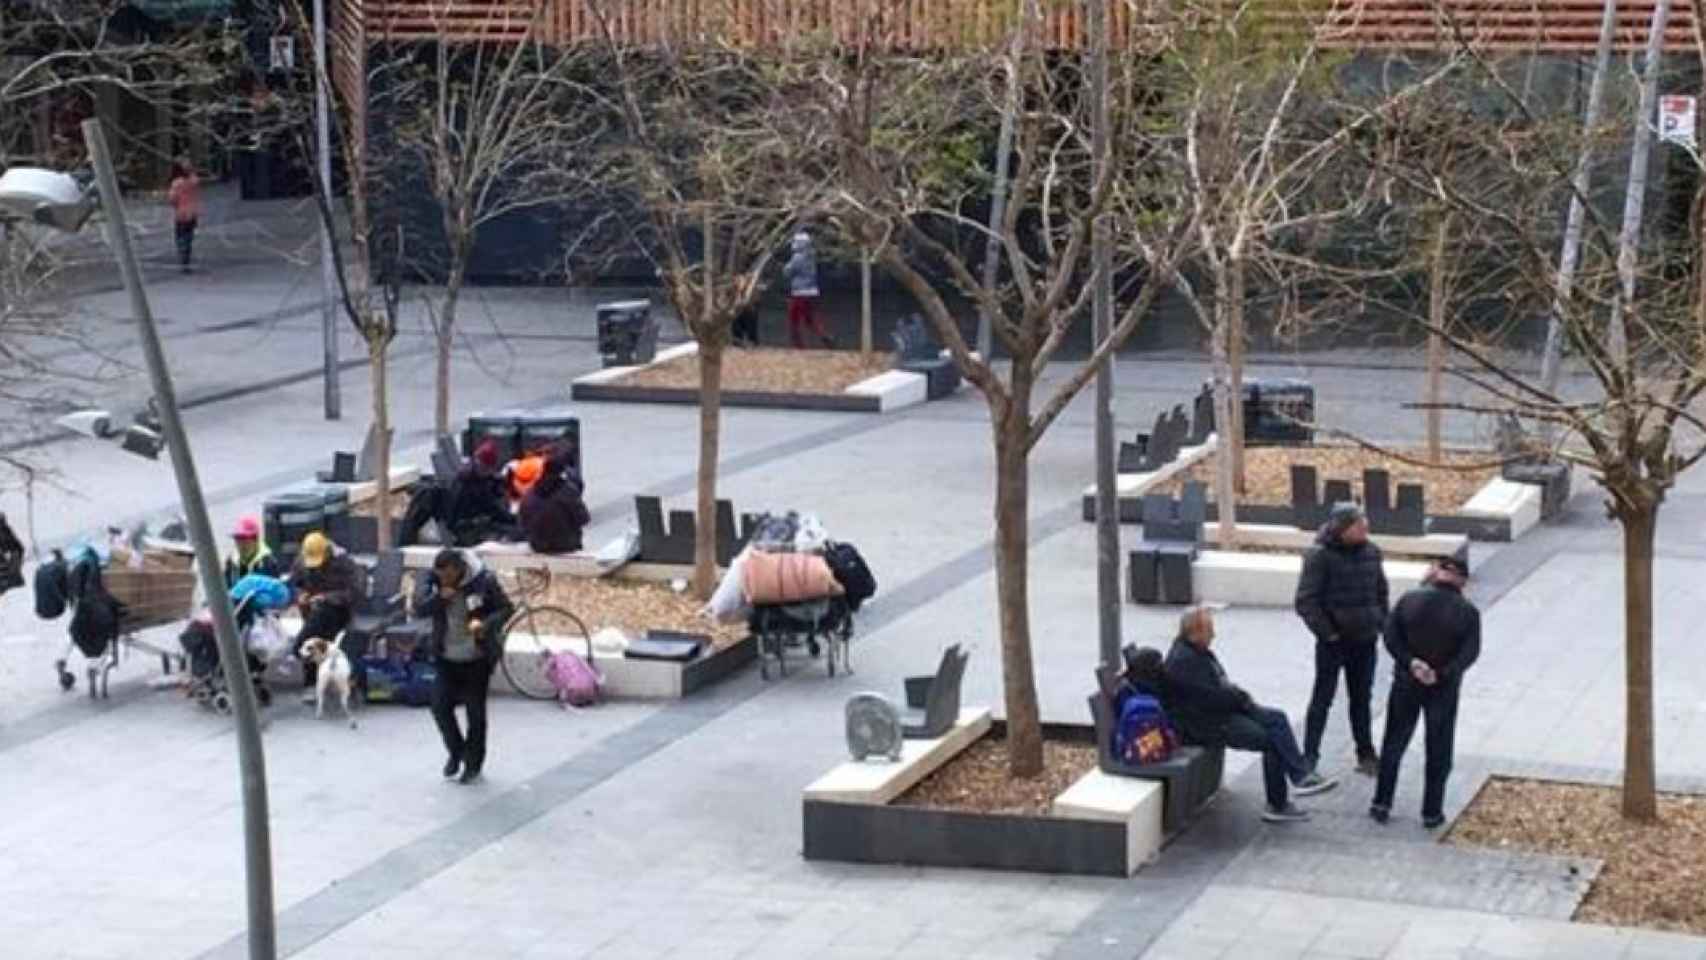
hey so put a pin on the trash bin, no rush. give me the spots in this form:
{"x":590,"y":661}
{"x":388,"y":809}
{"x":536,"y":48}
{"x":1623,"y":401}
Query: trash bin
{"x":287,"y":518}
{"x":627,"y":334}
{"x":336,"y":514}
{"x":1280,"y":412}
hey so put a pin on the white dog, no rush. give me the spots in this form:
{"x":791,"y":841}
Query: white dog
{"x":332,"y":674}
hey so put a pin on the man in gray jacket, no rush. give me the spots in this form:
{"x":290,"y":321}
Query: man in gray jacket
{"x":1342,"y":598}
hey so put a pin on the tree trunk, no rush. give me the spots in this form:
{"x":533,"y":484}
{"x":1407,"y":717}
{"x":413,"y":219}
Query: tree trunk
{"x":1640,"y":800}
{"x":865,"y":335}
{"x":710,"y":429}
{"x":446,"y":337}
{"x":1226,"y":426}
{"x":1234,"y":323}
{"x":1012,"y":587}
{"x":1436,"y":339}
{"x":381,"y":438}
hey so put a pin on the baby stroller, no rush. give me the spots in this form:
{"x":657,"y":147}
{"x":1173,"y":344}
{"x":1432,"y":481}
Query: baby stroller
{"x":257,"y":602}
{"x":820,"y":626}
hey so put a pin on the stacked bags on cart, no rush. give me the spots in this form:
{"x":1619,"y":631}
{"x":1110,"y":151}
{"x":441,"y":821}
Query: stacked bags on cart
{"x":790,"y":559}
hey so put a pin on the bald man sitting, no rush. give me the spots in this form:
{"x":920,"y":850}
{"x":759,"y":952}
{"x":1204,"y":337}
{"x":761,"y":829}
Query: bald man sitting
{"x":1211,"y":711}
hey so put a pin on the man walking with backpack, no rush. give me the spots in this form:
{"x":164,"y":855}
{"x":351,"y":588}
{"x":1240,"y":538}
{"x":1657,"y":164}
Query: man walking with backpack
{"x":1434,"y":636}
{"x":1342,"y":598}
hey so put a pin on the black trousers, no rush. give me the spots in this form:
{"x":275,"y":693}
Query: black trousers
{"x":323,"y":621}
{"x":1437,"y":706}
{"x":185,"y":235}
{"x":1357,"y":662}
{"x":465,"y":684}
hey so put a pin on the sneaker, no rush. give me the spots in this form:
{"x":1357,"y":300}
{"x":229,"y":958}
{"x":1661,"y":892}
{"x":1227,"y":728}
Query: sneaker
{"x":469,"y":776}
{"x":1378,"y":813}
{"x":1313,"y":783}
{"x":1290,"y":813}
{"x":452,"y":767}
{"x":1433,"y":821}
{"x":1368,"y":764}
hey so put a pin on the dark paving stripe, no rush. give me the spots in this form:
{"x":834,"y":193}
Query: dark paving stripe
{"x":352,"y":897}
{"x":75,"y":708}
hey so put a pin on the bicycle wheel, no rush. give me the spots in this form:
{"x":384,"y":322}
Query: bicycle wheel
{"x":529,"y":639}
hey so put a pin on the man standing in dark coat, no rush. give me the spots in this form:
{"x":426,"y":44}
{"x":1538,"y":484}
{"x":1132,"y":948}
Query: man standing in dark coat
{"x":1342,"y":598}
{"x":1434,"y":635}
{"x":1211,"y":711}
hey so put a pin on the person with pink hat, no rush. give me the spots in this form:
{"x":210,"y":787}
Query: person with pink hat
{"x":252,"y":554}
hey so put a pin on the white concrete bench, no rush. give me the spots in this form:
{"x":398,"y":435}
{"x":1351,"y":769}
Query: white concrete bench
{"x":508,"y":557}
{"x":894,"y":390}
{"x":1129,"y":485}
{"x":401,"y":478}
{"x":1270,"y":579}
{"x":878,"y":782}
{"x":1520,"y":502}
{"x":1291,"y":538}
{"x":1135,"y":803}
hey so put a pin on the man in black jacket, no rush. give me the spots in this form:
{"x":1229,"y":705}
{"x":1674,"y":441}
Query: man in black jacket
{"x":1211,"y":711}
{"x":1342,"y":598}
{"x":1434,"y":635}
{"x":468,"y":608}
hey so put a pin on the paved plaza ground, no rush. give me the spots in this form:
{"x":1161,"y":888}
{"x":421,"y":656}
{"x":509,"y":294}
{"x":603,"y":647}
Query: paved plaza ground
{"x":673,"y":829}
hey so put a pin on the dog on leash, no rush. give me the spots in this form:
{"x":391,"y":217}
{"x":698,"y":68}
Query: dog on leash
{"x":332,"y":674}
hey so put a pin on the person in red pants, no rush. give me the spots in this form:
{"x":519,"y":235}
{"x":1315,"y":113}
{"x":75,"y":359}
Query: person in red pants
{"x":801,"y":273}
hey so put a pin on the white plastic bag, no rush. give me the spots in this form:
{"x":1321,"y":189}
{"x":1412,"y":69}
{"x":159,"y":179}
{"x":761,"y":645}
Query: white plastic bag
{"x":620,"y":550}
{"x":267,"y":638}
{"x":728,"y":603}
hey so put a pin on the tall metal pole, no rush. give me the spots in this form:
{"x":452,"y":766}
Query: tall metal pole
{"x":1635,"y":196}
{"x":250,"y":759}
{"x":328,"y":274}
{"x":1102,"y":307}
{"x":1551,"y":359}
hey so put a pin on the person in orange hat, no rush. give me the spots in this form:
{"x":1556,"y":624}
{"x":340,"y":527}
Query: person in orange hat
{"x":524,"y":473}
{"x":252,"y":554}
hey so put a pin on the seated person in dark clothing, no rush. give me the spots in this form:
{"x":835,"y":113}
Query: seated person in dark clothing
{"x":553,"y":513}
{"x":472,"y":508}
{"x":327,"y":583}
{"x":1211,"y":711}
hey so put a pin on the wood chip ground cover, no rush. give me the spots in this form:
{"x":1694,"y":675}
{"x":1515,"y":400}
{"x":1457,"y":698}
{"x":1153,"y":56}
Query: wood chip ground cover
{"x":1654,"y":876}
{"x":636,"y":606}
{"x":976,"y":780}
{"x":1268,"y":472}
{"x":770,"y":370}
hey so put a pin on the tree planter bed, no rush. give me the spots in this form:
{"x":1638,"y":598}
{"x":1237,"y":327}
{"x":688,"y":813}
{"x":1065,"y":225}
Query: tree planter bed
{"x":1100,"y":826}
{"x":881,"y":391}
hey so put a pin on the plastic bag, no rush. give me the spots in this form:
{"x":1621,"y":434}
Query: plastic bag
{"x":267,"y":638}
{"x":620,"y":550}
{"x":728,"y":603}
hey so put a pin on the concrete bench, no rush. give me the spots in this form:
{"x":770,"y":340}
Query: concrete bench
{"x":876,"y":782}
{"x":1270,"y":579}
{"x":894,"y":390}
{"x":1136,"y":804}
{"x":508,"y":557}
{"x":1190,"y":778}
{"x":1291,"y":538}
{"x":1507,"y":499}
{"x":402,"y":477}
{"x":1130,"y":487}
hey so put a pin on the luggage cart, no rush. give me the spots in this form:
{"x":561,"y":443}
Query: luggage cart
{"x":823,"y":627}
{"x":159,"y":593}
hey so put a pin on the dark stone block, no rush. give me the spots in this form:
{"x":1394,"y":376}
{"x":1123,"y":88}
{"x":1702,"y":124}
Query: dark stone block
{"x":1307,"y":512}
{"x":1203,"y":416}
{"x":941,"y":376}
{"x":1409,"y":518}
{"x":1143,"y":573}
{"x":707,"y":670}
{"x":1334,"y":491}
{"x":1376,"y":493}
{"x":1552,"y":478}
{"x":674,"y":544}
{"x":1131,"y":455}
{"x":869,"y":833}
{"x":1174,"y":561}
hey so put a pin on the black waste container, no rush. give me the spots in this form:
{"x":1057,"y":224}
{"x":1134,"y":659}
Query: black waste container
{"x":335,"y":507}
{"x":627,"y":334}
{"x":287,"y":518}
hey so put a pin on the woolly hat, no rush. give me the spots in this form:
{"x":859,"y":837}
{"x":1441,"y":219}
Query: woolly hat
{"x":1342,"y":515}
{"x":486,"y":455}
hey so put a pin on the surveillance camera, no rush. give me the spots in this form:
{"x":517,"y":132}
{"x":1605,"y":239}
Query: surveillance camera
{"x":90,"y":423}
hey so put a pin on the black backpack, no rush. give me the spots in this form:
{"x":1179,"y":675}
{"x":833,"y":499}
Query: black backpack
{"x":851,"y":572}
{"x":52,"y":586}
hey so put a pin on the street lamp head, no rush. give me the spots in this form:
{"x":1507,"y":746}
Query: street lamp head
{"x":47,"y":197}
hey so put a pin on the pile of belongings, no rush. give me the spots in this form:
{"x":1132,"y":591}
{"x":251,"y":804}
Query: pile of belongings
{"x":789,"y":559}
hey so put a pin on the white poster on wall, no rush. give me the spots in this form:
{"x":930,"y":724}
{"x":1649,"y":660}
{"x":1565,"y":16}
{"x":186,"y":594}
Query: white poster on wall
{"x":1676,"y":120}
{"x":283,"y":51}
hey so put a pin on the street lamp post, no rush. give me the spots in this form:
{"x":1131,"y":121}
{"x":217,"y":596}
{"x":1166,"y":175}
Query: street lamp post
{"x":256,"y":833}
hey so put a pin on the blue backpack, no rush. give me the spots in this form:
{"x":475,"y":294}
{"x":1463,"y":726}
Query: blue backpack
{"x":1142,"y":733}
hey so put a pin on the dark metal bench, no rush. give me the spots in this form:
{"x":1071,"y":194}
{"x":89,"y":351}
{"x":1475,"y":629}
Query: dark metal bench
{"x":1190,"y":778}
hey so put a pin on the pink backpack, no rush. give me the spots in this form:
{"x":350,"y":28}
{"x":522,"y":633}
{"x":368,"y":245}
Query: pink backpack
{"x":576,"y":681}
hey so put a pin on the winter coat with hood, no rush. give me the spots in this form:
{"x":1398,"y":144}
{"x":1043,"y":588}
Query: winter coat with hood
{"x":1342,"y":594}
{"x":801,"y":268}
{"x":553,"y":513}
{"x":486,"y":602}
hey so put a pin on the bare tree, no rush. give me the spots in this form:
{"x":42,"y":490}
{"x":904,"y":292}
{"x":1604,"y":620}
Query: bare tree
{"x":1639,"y":426}
{"x":487,"y":120}
{"x":707,"y":145}
{"x":912,"y":133}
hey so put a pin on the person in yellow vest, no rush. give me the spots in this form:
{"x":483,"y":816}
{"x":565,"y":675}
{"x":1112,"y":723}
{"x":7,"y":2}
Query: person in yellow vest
{"x":252,"y":555}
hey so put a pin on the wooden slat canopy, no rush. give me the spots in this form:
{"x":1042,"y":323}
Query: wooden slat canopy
{"x":1542,"y":26}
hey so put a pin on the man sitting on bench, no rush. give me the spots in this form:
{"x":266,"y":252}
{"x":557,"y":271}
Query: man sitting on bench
{"x":1210,"y":710}
{"x":471,"y":508}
